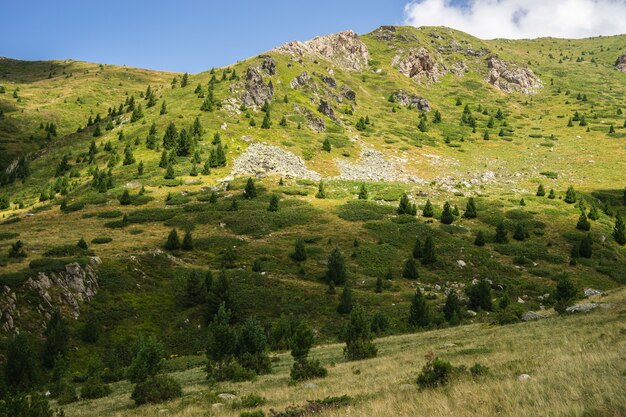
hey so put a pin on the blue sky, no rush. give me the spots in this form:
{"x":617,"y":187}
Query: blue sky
{"x":183,"y":35}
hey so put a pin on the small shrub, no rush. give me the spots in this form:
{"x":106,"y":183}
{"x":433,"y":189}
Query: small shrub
{"x":249,"y":401}
{"x":156,"y":389}
{"x":101,"y":240}
{"x":435,"y":373}
{"x":94,"y":388}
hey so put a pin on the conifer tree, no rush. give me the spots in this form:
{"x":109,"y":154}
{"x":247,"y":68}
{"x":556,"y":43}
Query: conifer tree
{"x":419,"y":312}
{"x":266,"y":123}
{"x":520,"y":232}
{"x":479,"y":296}
{"x":345,"y":300}
{"x":172,"y":242}
{"x":299,"y":253}
{"x":422,"y":126}
{"x":470,"y":209}
{"x":405,"y":206}
{"x":56,"y":339}
{"x":169,"y":172}
{"x":417,"y":248}
{"x":437,"y":117}
{"x":585,"y":248}
{"x":619,"y":230}
{"x":410,"y":269}
{"x":446,"y":215}
{"x":250,"y":190}
{"x":164,"y":160}
{"x":20,"y":368}
{"x":583,"y":223}
{"x":594,"y":214}
{"x":501,"y":234}
{"x":379,"y":285}
{"x":336,"y":271}
{"x":273,"y":203}
{"x":321,"y":192}
{"x":428,"y":211}
{"x":137,"y":114}
{"x":540,"y":191}
{"x":564,"y":293}
{"x":187,"y":241}
{"x":326,"y":145}
{"x":363,"y":194}
{"x":428,"y":255}
{"x":570,"y":195}
{"x":140,"y":168}
{"x":552,"y":194}
{"x":184,"y":80}
{"x":611,"y":129}
{"x":125,"y":198}
{"x":170,"y":138}
{"x":358,"y":336}
{"x":129,"y":158}
{"x":452,"y":308}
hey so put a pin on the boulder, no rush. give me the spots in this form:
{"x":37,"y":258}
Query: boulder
{"x":257,"y":92}
{"x":524,"y":378}
{"x":411,"y":101}
{"x":344,"y":49}
{"x":620,"y":64}
{"x":329,"y":81}
{"x":581,"y":308}
{"x":300,"y":81}
{"x":326,"y":109}
{"x":589,"y":292}
{"x":313,"y":121}
{"x":531,"y":315}
{"x":347,"y":93}
{"x":508,"y":77}
{"x":268,"y":65}
{"x":418,"y":63}
{"x":226,"y":396}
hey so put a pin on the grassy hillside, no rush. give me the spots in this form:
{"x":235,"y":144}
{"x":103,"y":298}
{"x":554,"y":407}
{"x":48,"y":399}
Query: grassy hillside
{"x":75,"y":185}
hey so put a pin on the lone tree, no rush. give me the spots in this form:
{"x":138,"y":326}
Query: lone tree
{"x":299,"y":253}
{"x":358,"y":336}
{"x":570,"y":195}
{"x":501,"y":234}
{"x":345,"y":300}
{"x":417,"y":248}
{"x":428,"y":255}
{"x":173,"y":242}
{"x":419,"y":312}
{"x":406,"y":207}
{"x":326,"y":145}
{"x":273,"y":203}
{"x":470,"y":209}
{"x":480,"y":239}
{"x":336,"y":267}
{"x":300,"y":343}
{"x":583,"y":223}
{"x":452,"y":308}
{"x":619,"y":230}
{"x":479,"y":296}
{"x":446,"y":216}
{"x":428,"y":211}
{"x":187,"y":241}
{"x":363,"y":194}
{"x":56,"y":339}
{"x":410,"y":269}
{"x":564,"y":294}
{"x":321,"y":191}
{"x":250,"y":190}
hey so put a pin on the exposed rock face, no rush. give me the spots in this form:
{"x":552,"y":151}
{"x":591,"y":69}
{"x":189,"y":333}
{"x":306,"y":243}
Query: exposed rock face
{"x":418,"y":64}
{"x":372,"y":166}
{"x":262,"y":159}
{"x":347,"y":93}
{"x":344,"y":49}
{"x":326,"y":109}
{"x":620,"y":64}
{"x":66,"y":290}
{"x":411,"y":101}
{"x":314,"y":122}
{"x":329,"y":81}
{"x":531,"y":315}
{"x":300,"y":81}
{"x":268,"y":65}
{"x":508,"y":77}
{"x":257,"y":92}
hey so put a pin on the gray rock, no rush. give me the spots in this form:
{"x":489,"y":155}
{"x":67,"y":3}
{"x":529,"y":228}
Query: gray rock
{"x":226,"y":396}
{"x":589,"y":292}
{"x":268,"y":65}
{"x":418,"y":63}
{"x":326,"y":109}
{"x":347,"y":93}
{"x":531,"y":315}
{"x":411,"y":101}
{"x":300,"y":81}
{"x":260,"y":158}
{"x":524,"y":378}
{"x":309,"y":385}
{"x":508,"y":77}
{"x":372,"y":166}
{"x":620,"y":64}
{"x":313,"y":121}
{"x":472,"y":313}
{"x":329,"y":81}
{"x":257,"y":92}
{"x":582,"y":308}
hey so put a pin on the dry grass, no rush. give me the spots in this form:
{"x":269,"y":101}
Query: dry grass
{"x":577,"y":364}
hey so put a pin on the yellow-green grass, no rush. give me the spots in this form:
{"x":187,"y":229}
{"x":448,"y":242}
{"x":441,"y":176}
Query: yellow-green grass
{"x":576,"y":364}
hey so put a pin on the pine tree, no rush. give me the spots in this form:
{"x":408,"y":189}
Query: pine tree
{"x":129,"y":158}
{"x":479,"y":296}
{"x":470,"y":209}
{"x":321,"y":192}
{"x":552,"y":194}
{"x":564,"y":294}
{"x":583,"y":223}
{"x":97,"y":131}
{"x":541,"y":191}
{"x":164,"y":160}
{"x":137,"y":114}
{"x":20,"y":368}
{"x":220,"y":155}
{"x":267,"y":122}
{"x":299,"y":253}
{"x":172,"y":242}
{"x":56,"y":339}
{"x":594,"y":214}
{"x":250,"y":190}
{"x":379,"y":285}
{"x":273,"y":203}
{"x":570,"y":195}
{"x":419,"y":312}
{"x":184,"y":80}
{"x":405,"y":206}
{"x":501,"y":234}
{"x":326,"y":145}
{"x":169,"y":172}
{"x":585,"y":249}
{"x":611,"y":129}
{"x":437,"y":117}
{"x":520,"y":232}
{"x":363,"y":194}
{"x":170,"y":138}
{"x":410,"y":269}
{"x":417,"y":249}
{"x":446,"y":216}
{"x":619,"y":230}
{"x":428,"y":255}
{"x":486,"y":135}
{"x":187,"y":241}
{"x":428,"y":211}
{"x":345,"y":300}
{"x":358,"y":336}
{"x":140,"y":168}
{"x":422,"y":126}
{"x":336,"y":267}
{"x":452,"y":308}
{"x":125,"y":198}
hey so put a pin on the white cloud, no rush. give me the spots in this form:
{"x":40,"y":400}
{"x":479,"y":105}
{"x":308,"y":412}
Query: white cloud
{"x":517,"y":19}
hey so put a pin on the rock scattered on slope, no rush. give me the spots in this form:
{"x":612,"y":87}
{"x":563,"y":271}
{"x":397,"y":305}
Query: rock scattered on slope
{"x":508,"y":77}
{"x":268,"y":65}
{"x":589,"y":292}
{"x":314,"y":122}
{"x":326,"y":109}
{"x":262,"y":159}
{"x":372,"y":166}
{"x":411,"y":101}
{"x":300,"y":81}
{"x":257,"y":92}
{"x":620,"y":64}
{"x":347,"y":93}
{"x":531,"y":315}
{"x":344,"y":49}
{"x":417,"y":64}
{"x":584,"y":307}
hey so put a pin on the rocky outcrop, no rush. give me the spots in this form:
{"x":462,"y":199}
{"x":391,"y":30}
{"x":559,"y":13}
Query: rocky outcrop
{"x":509,"y":78}
{"x":40,"y":295}
{"x":329,"y":81}
{"x":347,"y":93}
{"x":620,"y":64}
{"x":300,"y":81}
{"x":257,"y":92}
{"x":531,"y":315}
{"x":314,"y":122}
{"x":344,"y":49}
{"x":418,"y":64}
{"x":326,"y":109}
{"x":268,"y":65}
{"x":411,"y":101}
{"x":261,"y":159}
{"x":372,"y":166}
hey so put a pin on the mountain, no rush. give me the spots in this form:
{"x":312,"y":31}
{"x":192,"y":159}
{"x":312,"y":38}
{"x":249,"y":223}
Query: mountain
{"x":341,"y":142}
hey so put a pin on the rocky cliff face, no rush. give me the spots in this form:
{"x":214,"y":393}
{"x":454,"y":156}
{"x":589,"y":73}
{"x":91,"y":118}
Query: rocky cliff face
{"x":39,"y":295}
{"x":417,"y":64}
{"x":411,"y":101}
{"x":620,"y":64}
{"x":344,"y":49}
{"x":257,"y":92}
{"x":509,"y":78}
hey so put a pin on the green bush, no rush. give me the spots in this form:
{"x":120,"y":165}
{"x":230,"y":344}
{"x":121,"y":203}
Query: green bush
{"x":156,"y":389}
{"x":94,"y":388}
{"x":257,"y":413}
{"x":361,"y":210}
{"x":101,"y":240}
{"x":249,"y":401}
{"x":307,"y":369}
{"x":435,"y":373}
